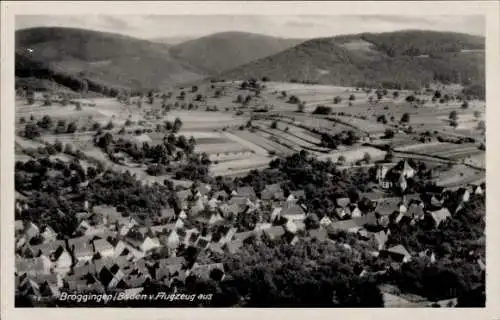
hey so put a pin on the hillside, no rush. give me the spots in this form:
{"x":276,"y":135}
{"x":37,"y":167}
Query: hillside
{"x":171,"y":41}
{"x":228,"y":50}
{"x":68,"y":55}
{"x":398,"y":59}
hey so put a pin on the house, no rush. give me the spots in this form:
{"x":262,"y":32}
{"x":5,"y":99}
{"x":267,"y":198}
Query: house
{"x":183,"y":195}
{"x":343,"y":212}
{"x":48,"y":248}
{"x":206,"y":272}
{"x":397,"y":253}
{"x":438,"y":216}
{"x":197,"y":207}
{"x":428,"y":254}
{"x":30,"y":288}
{"x":272,"y":192}
{"x":259,"y":226}
{"x":464,"y":194}
{"x":351,"y":226}
{"x":298,"y":194}
{"x":215,"y":218}
{"x":167,"y":214}
{"x":274,"y":233}
{"x":49,"y":290}
{"x":436,"y":201}
{"x":415,"y":212}
{"x":215,"y":247}
{"x":325,"y":221}
{"x":234,"y":246}
{"x":477,"y":189}
{"x":173,"y":240}
{"x":31,"y":230}
{"x":243,"y":236}
{"x":109,"y":214}
{"x":319,"y":234}
{"x":33,"y":266}
{"x":81,"y":248}
{"x":123,"y":248}
{"x":162,"y":229}
{"x":149,"y":244}
{"x":355,"y":211}
{"x":220,"y":195}
{"x":293,"y":213}
{"x":291,"y":227}
{"x":342,"y":202}
{"x":228,"y":235}
{"x":18,"y":226}
{"x":104,"y":248}
{"x":381,"y":238}
{"x":246,"y":192}
{"x":62,"y":260}
{"x":48,"y":234}
{"x":387,"y":206}
{"x":170,"y":268}
{"x":381,"y":176}
{"x":276,"y":214}
{"x":182,"y":215}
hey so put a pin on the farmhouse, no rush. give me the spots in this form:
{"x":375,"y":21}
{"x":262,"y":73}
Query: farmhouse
{"x":439,"y":216}
{"x":398,"y":253}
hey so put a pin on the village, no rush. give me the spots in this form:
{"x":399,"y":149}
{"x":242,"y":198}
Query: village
{"x":110,"y":252}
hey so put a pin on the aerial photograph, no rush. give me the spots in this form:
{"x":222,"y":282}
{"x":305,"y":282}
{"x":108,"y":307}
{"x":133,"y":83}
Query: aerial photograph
{"x":250,"y":161}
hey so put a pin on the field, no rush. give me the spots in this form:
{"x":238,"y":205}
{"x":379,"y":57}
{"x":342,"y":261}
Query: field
{"x":444,"y":150}
{"x":459,"y":175}
{"x":354,"y":154}
{"x":232,"y":147}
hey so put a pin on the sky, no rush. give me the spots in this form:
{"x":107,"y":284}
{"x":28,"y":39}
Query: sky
{"x":298,"y":26}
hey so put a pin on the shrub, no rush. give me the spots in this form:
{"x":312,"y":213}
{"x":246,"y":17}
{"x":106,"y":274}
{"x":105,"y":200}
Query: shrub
{"x":325,"y":110}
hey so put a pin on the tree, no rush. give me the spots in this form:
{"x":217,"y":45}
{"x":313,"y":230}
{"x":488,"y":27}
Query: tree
{"x":64,"y":99}
{"x":194,"y":88}
{"x":410,"y":98}
{"x":199,"y":97}
{"x":367,"y":157}
{"x":337,"y":100}
{"x":395,"y":94}
{"x":453,"y":115}
{"x":78,"y":106}
{"x":239,"y":98}
{"x":389,"y":156}
{"x":177,"y":125}
{"x":389,"y":134}
{"x":31,"y":131}
{"x":293,"y":99}
{"x":301,"y":107}
{"x":30,"y":97}
{"x":465,"y":105}
{"x":325,"y":110}
{"x":382,"y":118}
{"x":84,"y":87}
{"x":405,"y":118}
{"x":274,"y":125}
{"x":477,"y":114}
{"x":312,"y":222}
{"x":47,"y":99}
{"x":341,"y":159}
{"x":151,"y":97}
{"x":352,"y":97}
{"x":46,"y":122}
{"x":481,"y":125}
{"x":71,"y":127}
{"x":109,"y":126}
